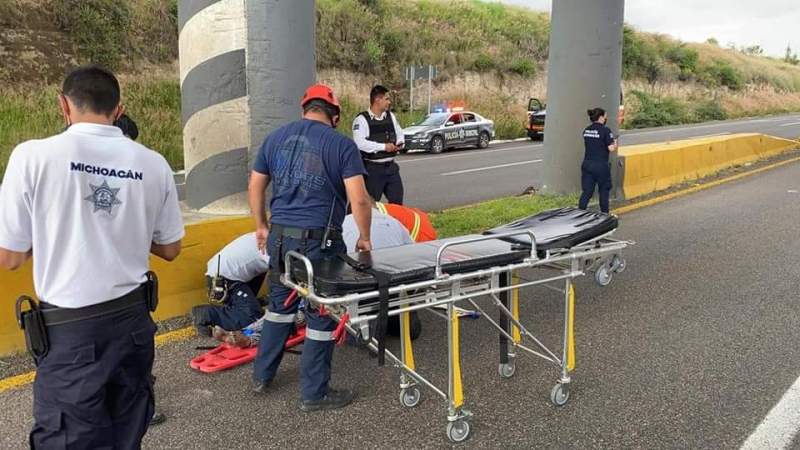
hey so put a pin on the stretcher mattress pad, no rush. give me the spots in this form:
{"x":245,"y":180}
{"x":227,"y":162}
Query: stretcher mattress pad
{"x":562,"y":228}
{"x":407,"y":264}
{"x":555,"y":229}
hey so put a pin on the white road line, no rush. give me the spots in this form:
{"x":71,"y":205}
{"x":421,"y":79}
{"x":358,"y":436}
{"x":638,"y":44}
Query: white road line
{"x":475,"y":153}
{"x":778,"y":429}
{"x":712,"y":135}
{"x":789,"y":124}
{"x":459,"y":172}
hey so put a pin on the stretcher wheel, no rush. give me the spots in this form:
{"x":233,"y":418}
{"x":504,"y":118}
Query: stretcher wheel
{"x":559,"y":395}
{"x":618,"y":264}
{"x":410,"y":397}
{"x":507,"y":370}
{"x":603,"y":275}
{"x":458,"y":431}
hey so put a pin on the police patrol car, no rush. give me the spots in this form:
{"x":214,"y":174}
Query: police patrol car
{"x":442,"y":130}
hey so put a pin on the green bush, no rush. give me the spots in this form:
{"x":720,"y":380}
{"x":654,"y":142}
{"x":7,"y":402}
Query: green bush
{"x":709,"y":110}
{"x":686,"y":60}
{"x":524,"y":67}
{"x":721,"y":73}
{"x":483,"y":63}
{"x":654,"y":111}
{"x":98,"y":27}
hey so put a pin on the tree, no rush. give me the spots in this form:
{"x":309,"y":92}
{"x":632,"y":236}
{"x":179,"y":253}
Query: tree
{"x":753,"y":50}
{"x":712,"y":41}
{"x":790,"y":57}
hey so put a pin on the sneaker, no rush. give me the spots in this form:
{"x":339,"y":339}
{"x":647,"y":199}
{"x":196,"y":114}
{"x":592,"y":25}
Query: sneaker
{"x":261,"y":387}
{"x":334,"y":400}
{"x":158,"y":418}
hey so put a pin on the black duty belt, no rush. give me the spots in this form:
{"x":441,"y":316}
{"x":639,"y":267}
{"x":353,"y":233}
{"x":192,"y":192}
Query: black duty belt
{"x":381,"y":163}
{"x":301,"y":233}
{"x":382,"y":322}
{"x":34,"y":318}
{"x":59,"y":316}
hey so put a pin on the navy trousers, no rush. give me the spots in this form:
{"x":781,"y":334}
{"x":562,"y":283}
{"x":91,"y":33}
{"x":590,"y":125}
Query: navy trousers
{"x":94,"y":388}
{"x":240,"y":310}
{"x":595,"y":173}
{"x":315,"y":362}
{"x":384,"y":179}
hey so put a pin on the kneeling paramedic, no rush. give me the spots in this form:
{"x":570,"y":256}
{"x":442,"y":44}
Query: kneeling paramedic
{"x":233,"y":277}
{"x":90,"y":206}
{"x":314,"y":172}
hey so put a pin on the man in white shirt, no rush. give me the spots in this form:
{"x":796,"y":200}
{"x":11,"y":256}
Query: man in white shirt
{"x":238,"y":270}
{"x":90,"y":206}
{"x":386,"y":231}
{"x":379,"y":137}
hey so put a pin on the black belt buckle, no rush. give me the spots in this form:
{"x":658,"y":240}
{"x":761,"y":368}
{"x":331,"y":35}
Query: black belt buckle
{"x":151,"y":291}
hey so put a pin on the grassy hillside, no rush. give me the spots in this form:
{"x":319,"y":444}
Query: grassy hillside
{"x":490,"y":55}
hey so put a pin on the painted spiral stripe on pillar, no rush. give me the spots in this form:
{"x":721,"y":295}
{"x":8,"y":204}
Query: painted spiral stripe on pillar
{"x":188,"y":8}
{"x":213,"y":70}
{"x":213,"y":81}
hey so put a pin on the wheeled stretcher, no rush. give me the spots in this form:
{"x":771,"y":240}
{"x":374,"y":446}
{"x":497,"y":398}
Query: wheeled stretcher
{"x":367,"y":287}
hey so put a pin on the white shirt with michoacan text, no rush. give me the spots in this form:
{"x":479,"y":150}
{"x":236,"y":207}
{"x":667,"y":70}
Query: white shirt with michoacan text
{"x":90,"y":202}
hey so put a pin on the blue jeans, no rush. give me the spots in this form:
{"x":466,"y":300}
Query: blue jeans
{"x":315,"y":363}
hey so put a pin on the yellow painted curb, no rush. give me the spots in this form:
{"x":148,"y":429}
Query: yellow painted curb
{"x":18,"y":381}
{"x":693,"y":189}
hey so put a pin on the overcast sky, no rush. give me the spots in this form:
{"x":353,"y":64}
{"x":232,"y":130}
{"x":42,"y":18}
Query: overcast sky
{"x":769,"y":23}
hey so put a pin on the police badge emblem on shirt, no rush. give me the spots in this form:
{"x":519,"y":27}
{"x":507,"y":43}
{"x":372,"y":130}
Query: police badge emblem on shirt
{"x":104,"y":197}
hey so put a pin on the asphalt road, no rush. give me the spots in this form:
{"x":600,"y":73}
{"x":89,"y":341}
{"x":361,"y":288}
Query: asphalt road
{"x":462,"y":177}
{"x":689,"y":348}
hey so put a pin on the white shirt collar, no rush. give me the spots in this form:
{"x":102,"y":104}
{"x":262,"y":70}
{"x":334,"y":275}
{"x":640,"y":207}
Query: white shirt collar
{"x":374,"y":117}
{"x":95,"y":129}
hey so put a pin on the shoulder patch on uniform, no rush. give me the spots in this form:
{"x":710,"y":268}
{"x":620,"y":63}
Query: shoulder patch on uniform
{"x":356,"y":126}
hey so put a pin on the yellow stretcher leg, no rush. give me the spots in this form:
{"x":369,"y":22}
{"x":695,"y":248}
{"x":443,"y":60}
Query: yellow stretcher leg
{"x":515,"y":333}
{"x":457,"y":394}
{"x":408,"y":352}
{"x":571,"y":330}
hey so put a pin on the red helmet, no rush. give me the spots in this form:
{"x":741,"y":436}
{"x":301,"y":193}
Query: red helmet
{"x":320,"y":92}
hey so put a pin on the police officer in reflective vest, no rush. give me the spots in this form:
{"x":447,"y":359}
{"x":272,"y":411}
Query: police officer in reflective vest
{"x":89,"y":206}
{"x":314,"y":172}
{"x":595,"y":170}
{"x":379,"y":138}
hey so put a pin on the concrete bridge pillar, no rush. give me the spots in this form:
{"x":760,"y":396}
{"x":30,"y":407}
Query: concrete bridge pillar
{"x":244,"y":65}
{"x":585,"y":70}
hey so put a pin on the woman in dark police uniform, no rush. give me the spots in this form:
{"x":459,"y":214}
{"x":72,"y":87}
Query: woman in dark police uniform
{"x":595,"y":170}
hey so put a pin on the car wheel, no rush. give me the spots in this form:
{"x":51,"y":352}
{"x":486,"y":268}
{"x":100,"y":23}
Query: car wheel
{"x":483,"y":140}
{"x":437,"y":144}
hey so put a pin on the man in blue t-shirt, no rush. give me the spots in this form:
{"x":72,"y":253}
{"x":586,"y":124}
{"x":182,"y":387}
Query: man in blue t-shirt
{"x":314,"y":172}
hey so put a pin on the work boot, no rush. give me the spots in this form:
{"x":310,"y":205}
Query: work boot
{"x":334,"y":400}
{"x":261,"y":387}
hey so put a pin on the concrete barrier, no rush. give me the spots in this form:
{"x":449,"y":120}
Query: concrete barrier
{"x":181,"y":282}
{"x":649,"y":168}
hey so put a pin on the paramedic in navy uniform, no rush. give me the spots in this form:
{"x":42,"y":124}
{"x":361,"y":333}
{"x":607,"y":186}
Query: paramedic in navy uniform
{"x":90,"y":205}
{"x":599,"y":142}
{"x":314,"y":171}
{"x":379,"y":137}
